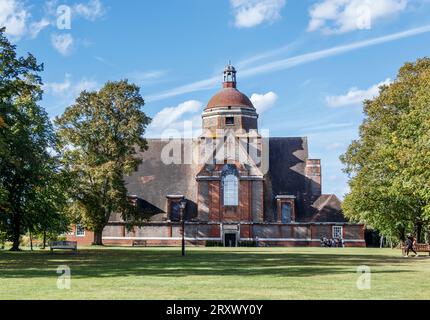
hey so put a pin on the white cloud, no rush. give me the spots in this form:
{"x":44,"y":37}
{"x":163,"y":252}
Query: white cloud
{"x":58,"y":88}
{"x":168,"y":117}
{"x":13,"y":16}
{"x":192,"y":87}
{"x":59,"y":95}
{"x":288,"y":63}
{"x":341,"y":16}
{"x":250,"y":13}
{"x":262,"y":102}
{"x":355,"y":96}
{"x":91,"y":10}
{"x":86,"y":84}
{"x":63,"y":43}
{"x":37,"y":27}
{"x":69,"y":90}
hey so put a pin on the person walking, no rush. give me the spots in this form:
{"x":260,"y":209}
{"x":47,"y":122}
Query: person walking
{"x":410,"y":242}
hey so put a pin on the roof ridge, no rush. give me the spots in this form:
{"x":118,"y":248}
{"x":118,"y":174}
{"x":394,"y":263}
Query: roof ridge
{"x":325,"y":201}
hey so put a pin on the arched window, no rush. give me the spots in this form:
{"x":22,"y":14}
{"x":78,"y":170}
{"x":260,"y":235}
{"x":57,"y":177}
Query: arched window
{"x":231,"y":190}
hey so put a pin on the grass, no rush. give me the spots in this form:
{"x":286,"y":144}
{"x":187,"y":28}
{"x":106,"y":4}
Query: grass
{"x":214,"y":273}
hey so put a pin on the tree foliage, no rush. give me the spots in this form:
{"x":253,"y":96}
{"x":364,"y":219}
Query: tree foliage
{"x":27,"y":175}
{"x":389,"y":164}
{"x":100,"y":136}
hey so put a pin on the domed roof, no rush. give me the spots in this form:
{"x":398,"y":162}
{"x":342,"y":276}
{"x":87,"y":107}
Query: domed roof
{"x":229,"y":97}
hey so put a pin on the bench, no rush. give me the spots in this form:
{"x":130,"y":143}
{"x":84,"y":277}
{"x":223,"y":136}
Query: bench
{"x":418,"y":247}
{"x":139,"y":243}
{"x":64,"y":245}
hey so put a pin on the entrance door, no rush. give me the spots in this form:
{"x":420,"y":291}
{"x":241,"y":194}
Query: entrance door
{"x":230,"y":239}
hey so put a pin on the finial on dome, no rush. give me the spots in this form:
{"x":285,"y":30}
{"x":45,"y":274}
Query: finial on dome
{"x":229,"y":76}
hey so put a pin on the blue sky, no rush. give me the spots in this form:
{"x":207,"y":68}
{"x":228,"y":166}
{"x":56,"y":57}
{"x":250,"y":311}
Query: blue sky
{"x":306,"y":64}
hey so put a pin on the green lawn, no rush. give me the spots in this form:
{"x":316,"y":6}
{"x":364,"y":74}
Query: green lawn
{"x":214,"y":273}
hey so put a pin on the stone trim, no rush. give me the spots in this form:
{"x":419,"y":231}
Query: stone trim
{"x":158,"y":238}
{"x":213,"y":178}
{"x":221,"y":239}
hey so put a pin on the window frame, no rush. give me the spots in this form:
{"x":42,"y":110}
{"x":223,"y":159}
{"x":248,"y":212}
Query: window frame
{"x":227,"y":122}
{"x":333,"y":232}
{"x":289,"y":219}
{"x":230,"y":196}
{"x":80,"y":228}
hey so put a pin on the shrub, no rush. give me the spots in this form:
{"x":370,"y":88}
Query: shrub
{"x":213,"y":243}
{"x":247,"y":243}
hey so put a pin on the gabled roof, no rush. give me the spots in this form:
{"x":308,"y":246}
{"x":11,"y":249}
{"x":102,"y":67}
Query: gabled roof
{"x":329,"y":209}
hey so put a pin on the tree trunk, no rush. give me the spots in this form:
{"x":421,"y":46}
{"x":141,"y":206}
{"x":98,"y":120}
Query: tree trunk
{"x":428,"y":235}
{"x":16,"y":232}
{"x":418,"y":230}
{"x":44,"y":240}
{"x":31,"y":241}
{"x":402,"y":235}
{"x":98,"y":241}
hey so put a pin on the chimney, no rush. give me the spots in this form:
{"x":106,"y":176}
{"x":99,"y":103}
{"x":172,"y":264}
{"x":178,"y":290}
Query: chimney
{"x":313,"y":173}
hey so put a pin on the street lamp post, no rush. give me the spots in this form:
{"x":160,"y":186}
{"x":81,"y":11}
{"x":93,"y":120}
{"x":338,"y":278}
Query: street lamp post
{"x":183,"y":204}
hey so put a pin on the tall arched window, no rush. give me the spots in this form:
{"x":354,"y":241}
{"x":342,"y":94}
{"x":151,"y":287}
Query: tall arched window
{"x":231,"y":190}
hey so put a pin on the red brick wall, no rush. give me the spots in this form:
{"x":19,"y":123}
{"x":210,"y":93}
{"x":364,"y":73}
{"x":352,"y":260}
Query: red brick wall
{"x":217,"y":212}
{"x":244,"y":202}
{"x":245,"y":231}
{"x":87,"y":239}
{"x":214,"y":201}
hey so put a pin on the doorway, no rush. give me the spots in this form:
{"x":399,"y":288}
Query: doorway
{"x":230,"y":239}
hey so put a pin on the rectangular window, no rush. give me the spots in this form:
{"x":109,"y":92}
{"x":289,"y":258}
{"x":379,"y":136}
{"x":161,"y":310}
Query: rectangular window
{"x":337,"y":232}
{"x":80,"y":231}
{"x":286,"y":213}
{"x":229,"y":121}
{"x":231,"y":191}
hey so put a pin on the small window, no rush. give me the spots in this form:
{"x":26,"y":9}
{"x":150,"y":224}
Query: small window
{"x":229,"y":121}
{"x":337,"y":232}
{"x":80,"y":231}
{"x":286,"y":213}
{"x":175,"y":211}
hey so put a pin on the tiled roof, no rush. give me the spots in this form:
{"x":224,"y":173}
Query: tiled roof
{"x":229,"y":97}
{"x":329,"y":209}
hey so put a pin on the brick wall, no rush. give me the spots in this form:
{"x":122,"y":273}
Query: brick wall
{"x":87,"y":239}
{"x":168,"y":234}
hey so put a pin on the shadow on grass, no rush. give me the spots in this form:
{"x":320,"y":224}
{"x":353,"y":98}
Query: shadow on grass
{"x":168,"y":263}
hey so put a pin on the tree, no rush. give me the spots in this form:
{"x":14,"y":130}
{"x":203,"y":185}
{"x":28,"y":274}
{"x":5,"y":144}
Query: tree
{"x":48,"y":217}
{"x":389,"y":165}
{"x":99,"y":136}
{"x":26,"y":135}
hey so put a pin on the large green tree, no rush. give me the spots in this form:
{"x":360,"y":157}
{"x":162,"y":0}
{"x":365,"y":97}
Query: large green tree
{"x":389,"y":164}
{"x":26,"y":139}
{"x":100,"y":135}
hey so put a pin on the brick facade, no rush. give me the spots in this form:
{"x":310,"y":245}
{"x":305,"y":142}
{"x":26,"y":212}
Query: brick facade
{"x":273,"y":234}
{"x":273,"y":191}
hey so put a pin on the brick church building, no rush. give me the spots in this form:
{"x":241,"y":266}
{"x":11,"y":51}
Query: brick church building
{"x":236,"y":187}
